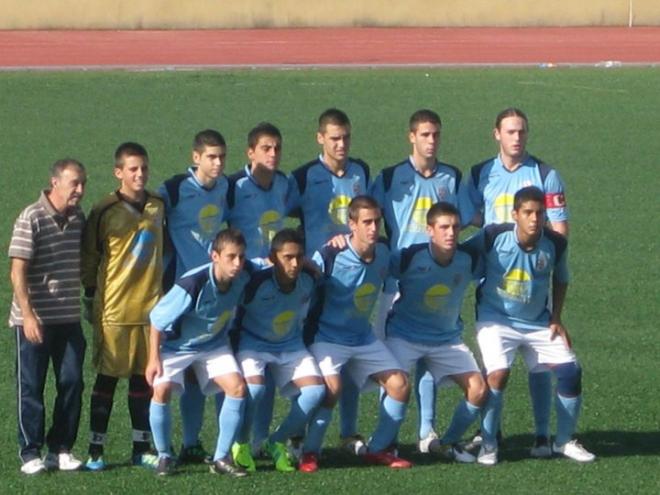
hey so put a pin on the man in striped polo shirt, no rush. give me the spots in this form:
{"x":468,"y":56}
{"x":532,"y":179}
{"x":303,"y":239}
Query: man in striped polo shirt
{"x":45,"y":313}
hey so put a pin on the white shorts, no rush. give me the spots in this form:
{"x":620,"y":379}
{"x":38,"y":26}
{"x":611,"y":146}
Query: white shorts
{"x":206,"y":365}
{"x":442,"y":361}
{"x":361,"y":361}
{"x":284,"y":366}
{"x":499,"y":343}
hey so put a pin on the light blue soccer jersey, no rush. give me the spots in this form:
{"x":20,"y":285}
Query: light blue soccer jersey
{"x":194,"y":315}
{"x":195,"y":215}
{"x":517,"y":283}
{"x":491,"y":188}
{"x":270,"y":320}
{"x":346,"y":295}
{"x":321,"y":198}
{"x":428,"y":310}
{"x":258,"y":213}
{"x":406,"y":196}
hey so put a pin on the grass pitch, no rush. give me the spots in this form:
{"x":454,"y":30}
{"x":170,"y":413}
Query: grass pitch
{"x":598,"y":127}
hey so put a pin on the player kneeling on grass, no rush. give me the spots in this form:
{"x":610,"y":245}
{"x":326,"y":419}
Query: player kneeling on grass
{"x":269,"y":323}
{"x":520,"y":260}
{"x":425,"y":322}
{"x":189,"y":327}
{"x":353,"y":277}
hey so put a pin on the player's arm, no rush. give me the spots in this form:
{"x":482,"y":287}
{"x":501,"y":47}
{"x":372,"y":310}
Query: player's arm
{"x":90,"y":254}
{"x":154,"y":364}
{"x":561,"y":227}
{"x":31,"y":326}
{"x":555,"y":203}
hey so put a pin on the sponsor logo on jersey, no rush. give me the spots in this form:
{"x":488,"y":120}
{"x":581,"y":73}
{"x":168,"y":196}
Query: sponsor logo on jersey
{"x":209,"y":220}
{"x":516,"y":285}
{"x":435,"y":296}
{"x":420,"y":209}
{"x":283,"y":322}
{"x":365,"y":297}
{"x":338,"y":209}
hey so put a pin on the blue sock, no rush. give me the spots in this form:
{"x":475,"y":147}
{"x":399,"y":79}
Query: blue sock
{"x":316,"y":430}
{"x":264,"y":415}
{"x":540,"y":391}
{"x":464,"y":415}
{"x":191,"y":406}
{"x":568,"y":412}
{"x":255,"y":394}
{"x":390,"y":418}
{"x":425,"y":395}
{"x":229,"y":422}
{"x":301,"y":409}
{"x":492,"y":412}
{"x":160,"y":420}
{"x":349,"y":401}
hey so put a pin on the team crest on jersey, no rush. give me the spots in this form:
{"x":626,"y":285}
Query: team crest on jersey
{"x":527,"y":183}
{"x":458,"y":278}
{"x":356,"y":187}
{"x":542,"y":261}
{"x":443,"y":193}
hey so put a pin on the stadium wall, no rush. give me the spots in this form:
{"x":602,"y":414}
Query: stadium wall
{"x":214,"y":14}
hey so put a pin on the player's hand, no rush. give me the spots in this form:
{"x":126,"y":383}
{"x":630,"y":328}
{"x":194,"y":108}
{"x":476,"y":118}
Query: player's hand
{"x":337,"y":242}
{"x":87,"y":308}
{"x":32,"y":330}
{"x":557,"y":329}
{"x":153,"y":371}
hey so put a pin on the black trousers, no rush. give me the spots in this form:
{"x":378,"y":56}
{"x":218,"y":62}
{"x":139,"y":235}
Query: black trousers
{"x":64,"y":344}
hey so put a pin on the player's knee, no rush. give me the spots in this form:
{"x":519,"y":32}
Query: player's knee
{"x":236,"y":389}
{"x":162,"y":393}
{"x":569,"y":379}
{"x":397,"y":386}
{"x":498,"y":379}
{"x":477,"y":392}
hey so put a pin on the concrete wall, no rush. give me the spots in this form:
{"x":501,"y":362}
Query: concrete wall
{"x":179,"y":14}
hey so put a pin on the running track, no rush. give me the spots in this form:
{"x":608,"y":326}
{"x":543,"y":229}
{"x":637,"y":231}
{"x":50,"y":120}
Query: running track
{"x":145,"y":50}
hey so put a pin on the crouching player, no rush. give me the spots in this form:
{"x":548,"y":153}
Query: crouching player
{"x":425,"y":322}
{"x":522,"y":260}
{"x":269,"y":324}
{"x":189,"y":327}
{"x":353,"y":277}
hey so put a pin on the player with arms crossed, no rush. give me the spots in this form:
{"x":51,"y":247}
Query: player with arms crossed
{"x":195,"y":209}
{"x":425,"y":322}
{"x":189,"y":328}
{"x":343,"y":337}
{"x":122,"y":276}
{"x":522,"y":262}
{"x":269,"y":323}
{"x":491,"y":187}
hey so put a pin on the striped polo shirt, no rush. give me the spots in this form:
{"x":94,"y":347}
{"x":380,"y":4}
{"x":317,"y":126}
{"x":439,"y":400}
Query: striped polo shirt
{"x":51,"y":242}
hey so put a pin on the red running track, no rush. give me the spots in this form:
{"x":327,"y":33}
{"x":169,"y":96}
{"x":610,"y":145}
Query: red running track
{"x":319,"y":47}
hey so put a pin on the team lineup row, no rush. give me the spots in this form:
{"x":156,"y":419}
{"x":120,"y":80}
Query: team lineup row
{"x":121,"y":268}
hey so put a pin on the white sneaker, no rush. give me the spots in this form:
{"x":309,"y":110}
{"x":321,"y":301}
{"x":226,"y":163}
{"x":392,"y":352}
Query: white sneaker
{"x":456,"y":453}
{"x":64,"y":461}
{"x":354,"y":445}
{"x":431,"y":443}
{"x":34,"y":466}
{"x":573,"y":450}
{"x":295,"y":447}
{"x":487,"y":455}
{"x":541,"y":448}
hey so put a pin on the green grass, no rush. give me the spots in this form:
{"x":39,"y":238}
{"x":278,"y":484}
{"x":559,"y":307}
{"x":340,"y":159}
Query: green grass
{"x":598,"y":127}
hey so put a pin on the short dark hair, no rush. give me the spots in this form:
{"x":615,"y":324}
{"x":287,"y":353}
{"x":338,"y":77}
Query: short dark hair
{"x":510,"y":112}
{"x":421,"y":116}
{"x":359,"y":203}
{"x":333,"y":116}
{"x":439,"y":209}
{"x":61,"y":165}
{"x":529,"y":193}
{"x":286,"y":236}
{"x":228,"y":236}
{"x":260,"y":130}
{"x":124,"y":150}
{"x":207,"y":137}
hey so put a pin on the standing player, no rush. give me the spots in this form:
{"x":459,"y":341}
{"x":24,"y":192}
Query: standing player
{"x":269,"y":323}
{"x":406,"y":191}
{"x":195,"y":207}
{"x":343,"y":337}
{"x":425,"y":322}
{"x":522,"y":261}
{"x":45,"y":313}
{"x":492,"y":185}
{"x":189,"y":329}
{"x":122,"y":273}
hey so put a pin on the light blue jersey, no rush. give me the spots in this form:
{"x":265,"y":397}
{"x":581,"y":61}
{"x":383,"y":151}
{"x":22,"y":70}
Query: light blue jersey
{"x":491,"y":188}
{"x":195,"y":215}
{"x":406,"y":196}
{"x":258,"y":213}
{"x":194,"y":315}
{"x":321,"y":198}
{"x":347,"y":295}
{"x":428,"y":310}
{"x":517,"y":283}
{"x":270,"y":320}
